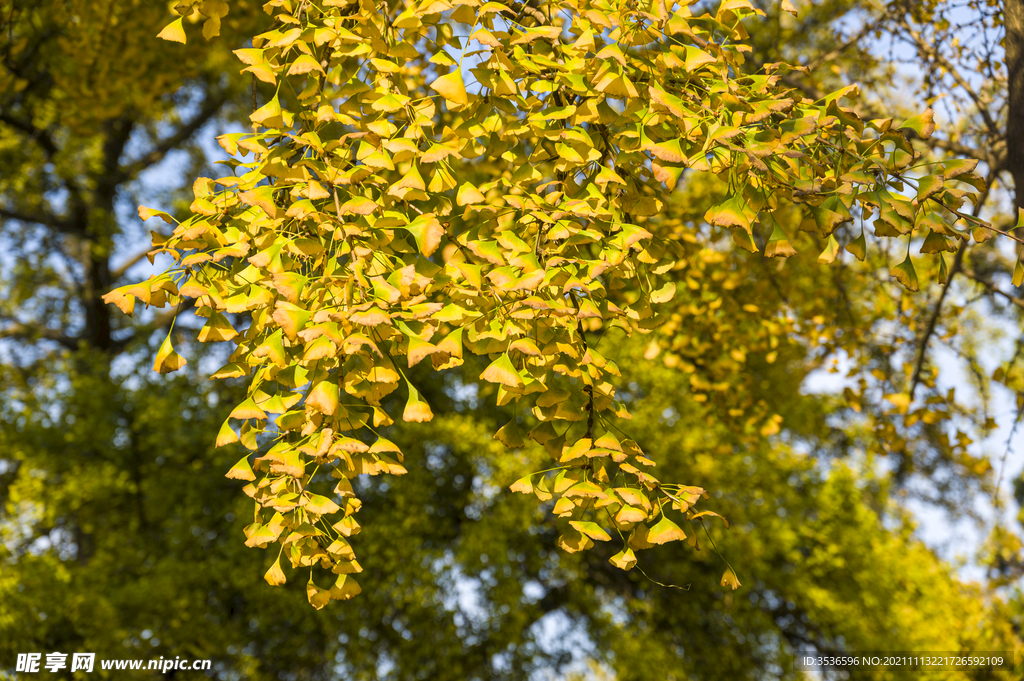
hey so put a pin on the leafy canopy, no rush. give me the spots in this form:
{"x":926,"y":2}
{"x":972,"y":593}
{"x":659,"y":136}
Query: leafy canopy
{"x":436,"y":179}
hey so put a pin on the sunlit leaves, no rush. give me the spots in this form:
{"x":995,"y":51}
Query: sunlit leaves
{"x":452,"y":88}
{"x":173,"y":32}
{"x":167,"y":359}
{"x":381,"y":217}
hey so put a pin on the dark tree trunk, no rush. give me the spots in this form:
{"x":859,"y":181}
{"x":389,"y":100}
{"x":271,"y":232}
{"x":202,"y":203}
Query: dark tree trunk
{"x":1013,"y":14}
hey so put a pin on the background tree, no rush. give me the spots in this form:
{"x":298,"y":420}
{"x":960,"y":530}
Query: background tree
{"x":809,"y":584}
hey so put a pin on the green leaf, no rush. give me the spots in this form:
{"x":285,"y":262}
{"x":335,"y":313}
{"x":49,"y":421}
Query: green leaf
{"x":858,"y":247}
{"x":510,"y":435}
{"x":923,"y":125}
{"x":778,"y":245}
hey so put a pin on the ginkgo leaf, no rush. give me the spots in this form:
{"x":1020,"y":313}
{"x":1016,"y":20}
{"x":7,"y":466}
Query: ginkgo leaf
{"x":241,"y":470}
{"x":522,"y":485}
{"x":167,"y":359}
{"x":696,"y":57}
{"x":923,"y":125}
{"x":452,"y":88}
{"x":778,"y":245}
{"x":217,"y":328}
{"x":226,"y":435}
{"x":173,"y":31}
{"x":730,"y":579}
{"x":416,"y":408}
{"x":624,"y":559}
{"x":323,"y":397}
{"x":501,"y":371}
{"x":275,"y":575}
{"x":316,"y":596}
{"x":468,"y":194}
{"x":317,"y":503}
{"x":427,"y":230}
{"x":592,"y":530}
{"x":831,"y":250}
{"x":510,"y":435}
{"x":858,"y":247}
{"x":345,"y":588}
{"x":905,"y":274}
{"x":665,"y":531}
{"x":268,"y":115}
{"x":146,"y":213}
{"x":248,"y":410}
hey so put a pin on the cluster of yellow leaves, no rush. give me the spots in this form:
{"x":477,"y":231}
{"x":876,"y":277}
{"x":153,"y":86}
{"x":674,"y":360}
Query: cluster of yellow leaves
{"x":454,"y":176}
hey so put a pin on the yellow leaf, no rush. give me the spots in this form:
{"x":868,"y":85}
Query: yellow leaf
{"x":317,"y":597}
{"x":501,"y":371}
{"x":217,"y":328}
{"x":592,"y":530}
{"x":416,"y":409}
{"x":146,"y":213}
{"x":624,"y":559}
{"x":345,"y":588}
{"x":469,"y":194}
{"x":248,"y":410}
{"x":304,"y":64}
{"x":320,"y":504}
{"x":275,"y":575}
{"x":167,"y":360}
{"x":323,"y":397}
{"x":665,"y":531}
{"x":226,"y":436}
{"x":452,"y":88}
{"x":241,"y":470}
{"x":730,"y":579}
{"x":173,"y":32}
{"x":523,"y":485}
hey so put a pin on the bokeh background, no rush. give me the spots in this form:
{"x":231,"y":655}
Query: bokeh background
{"x":120,"y":535}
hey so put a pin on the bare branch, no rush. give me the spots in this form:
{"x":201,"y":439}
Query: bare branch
{"x":45,"y":219}
{"x":128,"y":264}
{"x":922,"y":351}
{"x":41,"y":136}
{"x":970,"y":274}
{"x":211,"y":106}
{"x":33,"y":333}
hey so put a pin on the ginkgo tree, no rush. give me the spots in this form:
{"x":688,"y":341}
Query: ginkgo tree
{"x":436,"y":178}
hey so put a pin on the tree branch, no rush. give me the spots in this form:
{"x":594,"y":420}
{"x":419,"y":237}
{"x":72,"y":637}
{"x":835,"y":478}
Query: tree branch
{"x":211,"y":106}
{"x":971,"y":274}
{"x":934,"y":320}
{"x":32,"y":332}
{"x":123,"y":269}
{"x":41,"y":137}
{"x":46,"y":219}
